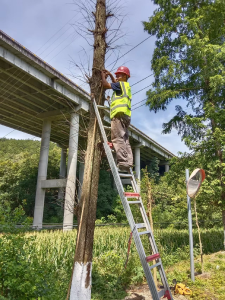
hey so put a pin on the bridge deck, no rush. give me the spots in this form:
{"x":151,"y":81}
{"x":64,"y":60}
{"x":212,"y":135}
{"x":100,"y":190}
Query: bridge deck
{"x":32,"y":90}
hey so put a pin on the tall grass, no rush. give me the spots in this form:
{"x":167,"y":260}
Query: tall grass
{"x":55,"y":251}
{"x":58,"y":245}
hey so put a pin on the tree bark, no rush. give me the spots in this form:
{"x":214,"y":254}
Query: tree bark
{"x":81,"y":278}
{"x":219,"y":154}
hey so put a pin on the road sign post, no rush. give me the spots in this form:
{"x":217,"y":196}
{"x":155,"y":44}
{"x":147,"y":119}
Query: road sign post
{"x":190,"y":232}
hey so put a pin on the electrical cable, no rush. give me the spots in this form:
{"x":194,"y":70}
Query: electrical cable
{"x":109,"y":65}
{"x":150,"y":85}
{"x":46,"y":43}
{"x":42,"y":52}
{"x":53,"y":42}
{"x":129,"y":50}
{"x":139,"y":106}
{"x":72,"y":33}
{"x":63,"y":49}
{"x":142,"y":89}
{"x":7,"y":81}
{"x":56,"y":33}
{"x":139,"y":102}
{"x":142,"y":79}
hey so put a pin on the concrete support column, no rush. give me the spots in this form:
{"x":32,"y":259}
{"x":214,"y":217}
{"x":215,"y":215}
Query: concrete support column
{"x":62,"y":172}
{"x":81,"y":177}
{"x":71,"y":173}
{"x":167,"y":167}
{"x":137,"y":161}
{"x":42,"y":174}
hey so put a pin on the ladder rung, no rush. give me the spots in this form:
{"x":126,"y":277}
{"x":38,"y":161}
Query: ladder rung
{"x":155,"y":265}
{"x":102,"y":107}
{"x":107,"y":127}
{"x":140,"y":225}
{"x":134,"y":202}
{"x":144,"y":232}
{"x":152,"y":257}
{"x":125,"y":175}
{"x":132,"y":195}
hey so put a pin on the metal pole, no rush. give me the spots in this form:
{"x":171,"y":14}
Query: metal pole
{"x":190,"y":231}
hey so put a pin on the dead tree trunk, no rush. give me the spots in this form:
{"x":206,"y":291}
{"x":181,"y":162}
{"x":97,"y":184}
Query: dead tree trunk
{"x":81,"y":279}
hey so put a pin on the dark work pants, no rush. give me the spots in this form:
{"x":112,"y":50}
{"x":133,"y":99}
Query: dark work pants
{"x":120,"y":139}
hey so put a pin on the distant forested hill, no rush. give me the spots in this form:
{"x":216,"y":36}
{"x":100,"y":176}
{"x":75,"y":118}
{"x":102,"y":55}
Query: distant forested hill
{"x":18,"y":177}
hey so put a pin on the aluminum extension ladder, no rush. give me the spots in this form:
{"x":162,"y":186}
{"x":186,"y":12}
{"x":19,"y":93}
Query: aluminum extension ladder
{"x":165,"y":292}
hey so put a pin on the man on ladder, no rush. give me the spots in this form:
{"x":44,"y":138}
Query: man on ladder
{"x":120,"y":115}
{"x":153,"y":260}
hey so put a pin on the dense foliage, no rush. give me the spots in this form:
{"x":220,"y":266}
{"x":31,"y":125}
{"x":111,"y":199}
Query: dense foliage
{"x":18,"y":178}
{"x":189,"y":67}
{"x":18,"y":175}
{"x":40,"y":264}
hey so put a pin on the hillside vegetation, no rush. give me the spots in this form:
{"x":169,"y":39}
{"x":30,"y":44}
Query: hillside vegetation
{"x":40,"y":264}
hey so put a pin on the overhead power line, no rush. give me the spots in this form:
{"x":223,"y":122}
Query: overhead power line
{"x":139,"y":105}
{"x":56,"y":33}
{"x":7,"y":82}
{"x":129,"y":51}
{"x":142,"y":89}
{"x":54,"y":41}
{"x":140,"y":101}
{"x":72,"y":33}
{"x":73,"y":40}
{"x":142,"y":79}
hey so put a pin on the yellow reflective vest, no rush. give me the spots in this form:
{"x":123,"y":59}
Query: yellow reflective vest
{"x":121,"y":103}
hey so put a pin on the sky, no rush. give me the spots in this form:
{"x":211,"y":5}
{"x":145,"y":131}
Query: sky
{"x":50,"y":30}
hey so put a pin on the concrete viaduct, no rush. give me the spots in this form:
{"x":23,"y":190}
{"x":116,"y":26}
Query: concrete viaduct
{"x":37,"y":99}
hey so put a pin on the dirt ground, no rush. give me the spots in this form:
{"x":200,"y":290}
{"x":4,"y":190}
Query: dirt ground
{"x":143,"y":293}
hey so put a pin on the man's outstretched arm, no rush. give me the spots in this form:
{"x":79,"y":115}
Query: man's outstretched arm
{"x":105,"y":83}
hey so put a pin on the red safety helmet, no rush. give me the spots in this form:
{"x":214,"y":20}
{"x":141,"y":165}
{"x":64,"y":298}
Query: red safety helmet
{"x":124,"y":70}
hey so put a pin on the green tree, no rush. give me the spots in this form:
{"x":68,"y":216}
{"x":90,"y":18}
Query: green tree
{"x":189,"y":66}
{"x":153,"y":169}
{"x":106,"y":195}
{"x":18,"y":176}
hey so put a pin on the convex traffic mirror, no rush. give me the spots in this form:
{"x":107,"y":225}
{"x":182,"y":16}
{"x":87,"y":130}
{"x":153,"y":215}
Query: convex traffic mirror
{"x":195,"y":181}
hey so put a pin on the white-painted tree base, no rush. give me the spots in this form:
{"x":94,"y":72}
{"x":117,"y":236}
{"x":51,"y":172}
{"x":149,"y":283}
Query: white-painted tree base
{"x":79,"y":291}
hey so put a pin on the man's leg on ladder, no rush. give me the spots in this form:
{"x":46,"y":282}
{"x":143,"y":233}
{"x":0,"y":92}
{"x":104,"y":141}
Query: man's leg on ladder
{"x":118,"y":132}
{"x":126,"y":121}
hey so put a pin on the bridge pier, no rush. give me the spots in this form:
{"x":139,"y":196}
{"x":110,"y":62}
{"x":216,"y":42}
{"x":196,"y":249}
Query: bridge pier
{"x":81,"y":177}
{"x":167,"y":167}
{"x":137,"y":161}
{"x":62,"y":172}
{"x":42,"y":174}
{"x":71,"y":173}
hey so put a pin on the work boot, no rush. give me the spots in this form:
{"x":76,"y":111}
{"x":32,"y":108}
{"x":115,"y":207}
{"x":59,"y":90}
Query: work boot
{"x":123,"y":168}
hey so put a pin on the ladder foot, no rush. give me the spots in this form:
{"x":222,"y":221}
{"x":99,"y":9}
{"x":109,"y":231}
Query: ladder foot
{"x":167,"y":295}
